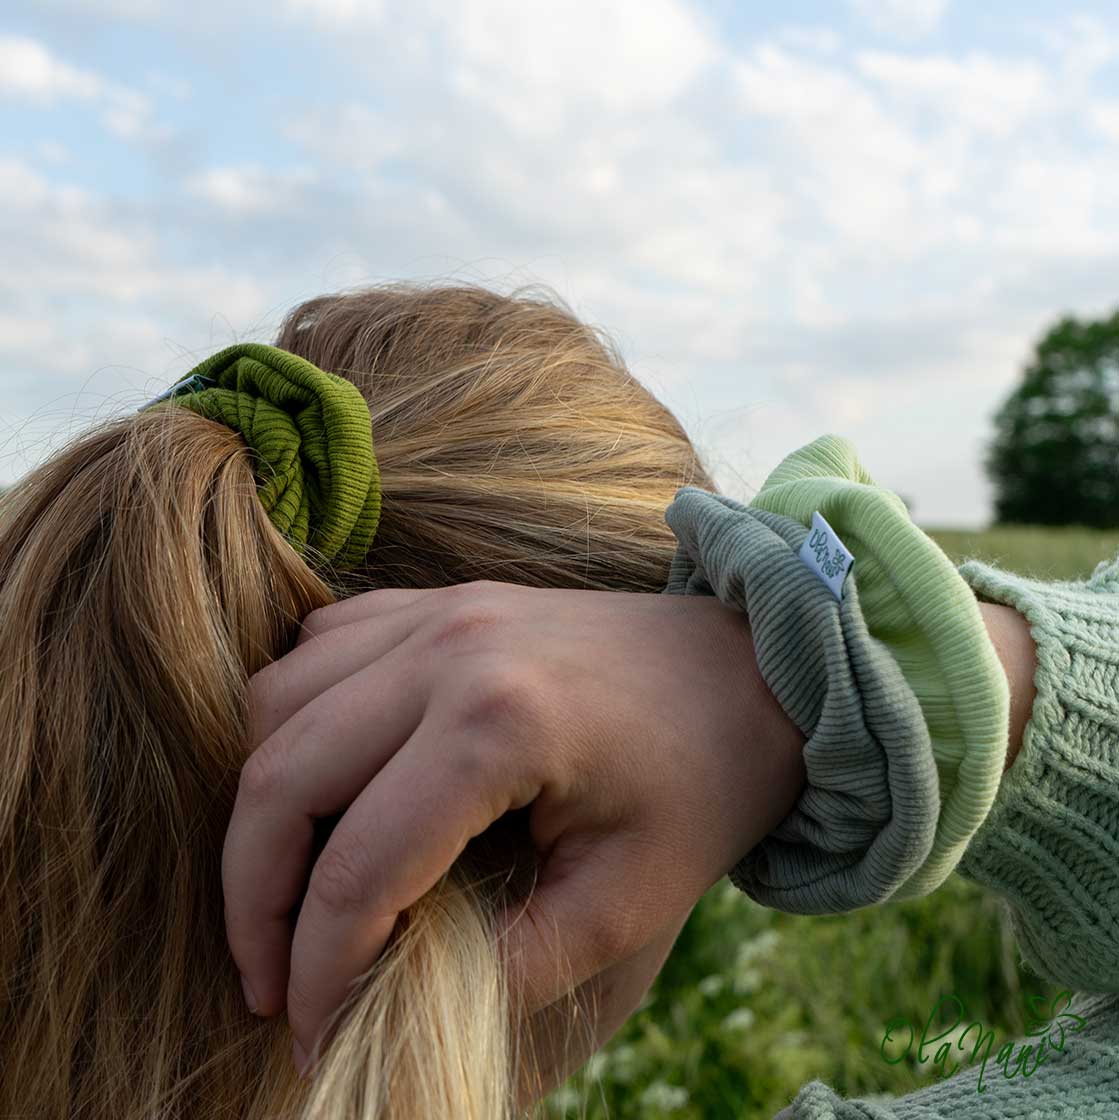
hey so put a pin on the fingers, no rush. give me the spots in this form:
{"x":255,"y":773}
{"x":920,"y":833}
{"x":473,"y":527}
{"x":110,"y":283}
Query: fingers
{"x":280,"y":690}
{"x":393,"y":843}
{"x":358,"y":608}
{"x":383,"y":600}
{"x":315,"y":765}
{"x":362,"y":630}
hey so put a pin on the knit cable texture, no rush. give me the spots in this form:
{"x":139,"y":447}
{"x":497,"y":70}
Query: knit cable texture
{"x":1050,"y":849}
{"x":1050,"y":845}
{"x":1080,"y":1082}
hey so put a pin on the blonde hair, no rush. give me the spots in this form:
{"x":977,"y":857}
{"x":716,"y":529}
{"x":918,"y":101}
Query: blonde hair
{"x":142,"y":584}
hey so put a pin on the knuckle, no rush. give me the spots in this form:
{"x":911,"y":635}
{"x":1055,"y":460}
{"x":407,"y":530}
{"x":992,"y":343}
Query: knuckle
{"x":473,"y":588}
{"x":466,"y":622}
{"x":342,"y":879}
{"x":491,"y":587}
{"x":316,"y":622}
{"x":503,"y":695}
{"x":264,"y":686}
{"x":472,"y":766}
{"x":262,"y":776}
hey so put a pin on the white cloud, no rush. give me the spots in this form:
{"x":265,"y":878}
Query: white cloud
{"x":817,"y":40}
{"x":1104,"y":117}
{"x":332,"y":13}
{"x":1083,"y":45}
{"x":142,"y":10}
{"x":1060,"y":209}
{"x":982,"y":93}
{"x":21,"y":188}
{"x":83,"y":287}
{"x":167,"y":84}
{"x":536,"y":65}
{"x":640,"y":56}
{"x":30,"y":72}
{"x":351,"y":135}
{"x":251,"y":189}
{"x":908,"y":19}
{"x":26,"y":333}
{"x":841,"y":150}
{"x":798,"y":228}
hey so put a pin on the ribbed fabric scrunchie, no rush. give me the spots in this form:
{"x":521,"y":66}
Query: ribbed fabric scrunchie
{"x":866,"y":818}
{"x":316,"y":471}
{"x":920,"y":608}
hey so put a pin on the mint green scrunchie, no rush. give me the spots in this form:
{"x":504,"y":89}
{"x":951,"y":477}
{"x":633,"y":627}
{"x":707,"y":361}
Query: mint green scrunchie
{"x":317,"y":476}
{"x":917,"y":604}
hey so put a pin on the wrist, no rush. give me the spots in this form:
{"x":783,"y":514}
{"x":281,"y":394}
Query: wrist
{"x":1009,"y":632}
{"x":784,"y":740}
{"x":759,"y":773}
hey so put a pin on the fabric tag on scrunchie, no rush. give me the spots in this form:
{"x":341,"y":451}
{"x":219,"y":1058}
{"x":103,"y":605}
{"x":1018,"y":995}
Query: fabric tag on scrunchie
{"x":867,"y":816}
{"x":826,"y":555}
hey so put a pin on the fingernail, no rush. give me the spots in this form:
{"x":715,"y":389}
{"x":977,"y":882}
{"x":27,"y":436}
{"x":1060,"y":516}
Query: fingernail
{"x":300,"y":1056}
{"x":250,"y":996}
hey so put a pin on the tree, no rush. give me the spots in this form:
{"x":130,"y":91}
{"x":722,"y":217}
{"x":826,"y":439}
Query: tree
{"x":1055,"y":456}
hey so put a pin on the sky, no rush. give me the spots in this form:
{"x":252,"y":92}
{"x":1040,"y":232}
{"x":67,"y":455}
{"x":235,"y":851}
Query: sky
{"x":854,"y":217}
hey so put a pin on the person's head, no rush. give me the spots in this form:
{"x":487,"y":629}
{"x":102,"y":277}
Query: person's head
{"x":142,"y":584}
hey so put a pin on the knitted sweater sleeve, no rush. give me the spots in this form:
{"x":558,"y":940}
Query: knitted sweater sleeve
{"x":1066,"y":1069}
{"x":1049,"y":848}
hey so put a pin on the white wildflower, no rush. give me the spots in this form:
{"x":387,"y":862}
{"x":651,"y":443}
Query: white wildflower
{"x":623,"y":1064}
{"x":596,"y":1065}
{"x":759,"y":946}
{"x":564,"y":1099}
{"x":664,"y":1097}
{"x":747,"y":981}
{"x":711,"y":985}
{"x":742,"y":1018}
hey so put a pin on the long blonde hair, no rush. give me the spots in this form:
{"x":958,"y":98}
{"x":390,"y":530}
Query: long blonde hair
{"x":141,"y":584}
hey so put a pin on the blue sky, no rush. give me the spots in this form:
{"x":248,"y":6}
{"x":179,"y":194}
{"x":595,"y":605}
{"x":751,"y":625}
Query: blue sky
{"x":853,"y":217}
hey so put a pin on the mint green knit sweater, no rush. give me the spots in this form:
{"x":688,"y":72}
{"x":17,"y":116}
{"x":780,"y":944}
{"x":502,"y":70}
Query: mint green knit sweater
{"x":1049,"y":847}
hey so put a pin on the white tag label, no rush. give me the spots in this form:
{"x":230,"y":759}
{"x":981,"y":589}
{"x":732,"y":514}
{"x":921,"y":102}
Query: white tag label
{"x":826,"y":555}
{"x":195,"y":383}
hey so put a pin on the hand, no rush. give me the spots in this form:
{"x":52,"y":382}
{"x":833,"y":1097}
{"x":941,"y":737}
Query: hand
{"x":636,"y":727}
{"x":609,"y":998}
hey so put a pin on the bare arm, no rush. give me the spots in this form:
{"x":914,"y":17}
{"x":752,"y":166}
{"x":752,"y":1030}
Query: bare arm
{"x":1010,"y":633}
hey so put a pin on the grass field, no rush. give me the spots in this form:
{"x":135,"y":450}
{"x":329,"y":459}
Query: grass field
{"x":753,"y":1003}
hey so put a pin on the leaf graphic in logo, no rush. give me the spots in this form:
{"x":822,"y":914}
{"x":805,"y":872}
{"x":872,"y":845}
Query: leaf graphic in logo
{"x":1054,"y":1020}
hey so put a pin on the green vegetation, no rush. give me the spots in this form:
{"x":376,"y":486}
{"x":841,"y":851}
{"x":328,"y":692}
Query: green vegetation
{"x":1056,"y":442}
{"x":1032,"y":550}
{"x":752,"y":1003}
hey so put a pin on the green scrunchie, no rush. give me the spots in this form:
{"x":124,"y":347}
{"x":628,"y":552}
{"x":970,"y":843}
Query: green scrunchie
{"x":920,"y":607}
{"x":316,"y":472}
